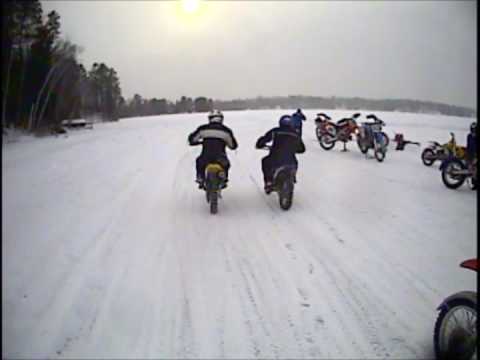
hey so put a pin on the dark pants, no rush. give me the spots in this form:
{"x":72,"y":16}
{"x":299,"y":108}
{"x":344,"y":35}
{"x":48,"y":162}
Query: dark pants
{"x":271,"y":163}
{"x":203,"y":161}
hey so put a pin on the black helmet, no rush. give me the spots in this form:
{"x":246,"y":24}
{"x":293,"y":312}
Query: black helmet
{"x":473,"y":127}
{"x":285,"y":120}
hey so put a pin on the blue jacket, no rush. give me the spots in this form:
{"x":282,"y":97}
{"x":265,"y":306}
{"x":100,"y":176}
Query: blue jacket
{"x":297,"y":119}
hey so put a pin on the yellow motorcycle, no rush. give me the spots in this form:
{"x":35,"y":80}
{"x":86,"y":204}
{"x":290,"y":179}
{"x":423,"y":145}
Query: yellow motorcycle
{"x":436,"y":151}
{"x":215,"y":182}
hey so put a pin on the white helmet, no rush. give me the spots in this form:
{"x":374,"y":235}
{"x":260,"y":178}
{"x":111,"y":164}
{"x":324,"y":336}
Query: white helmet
{"x":215,"y":116}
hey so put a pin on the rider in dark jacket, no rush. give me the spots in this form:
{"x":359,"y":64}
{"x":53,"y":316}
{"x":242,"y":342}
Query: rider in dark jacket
{"x":472,"y":153}
{"x":286,"y":143}
{"x":213,"y":137}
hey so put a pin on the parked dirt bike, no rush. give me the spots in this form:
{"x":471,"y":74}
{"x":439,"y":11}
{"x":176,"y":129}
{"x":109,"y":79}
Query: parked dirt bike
{"x":321,"y":122}
{"x":455,"y":332}
{"x":284,"y":179}
{"x":340,"y":131}
{"x":455,"y":171}
{"x":215,"y":181}
{"x":436,"y":151}
{"x":371,"y":136}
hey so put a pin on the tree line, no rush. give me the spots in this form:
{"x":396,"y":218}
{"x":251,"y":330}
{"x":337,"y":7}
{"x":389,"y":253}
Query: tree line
{"x":138,"y":106}
{"x":355,"y":103}
{"x":42,"y":81}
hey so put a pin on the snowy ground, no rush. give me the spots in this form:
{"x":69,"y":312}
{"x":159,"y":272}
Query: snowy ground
{"x":109,"y":251}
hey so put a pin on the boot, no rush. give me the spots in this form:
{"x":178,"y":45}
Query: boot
{"x":200,"y":182}
{"x":268,"y":187}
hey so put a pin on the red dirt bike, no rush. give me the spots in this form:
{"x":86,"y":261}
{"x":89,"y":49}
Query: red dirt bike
{"x":321,"y":121}
{"x":455,"y":333}
{"x":328,"y":132}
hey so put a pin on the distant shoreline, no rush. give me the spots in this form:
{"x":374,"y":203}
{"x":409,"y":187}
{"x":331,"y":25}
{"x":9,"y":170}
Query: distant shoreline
{"x":345,"y":103}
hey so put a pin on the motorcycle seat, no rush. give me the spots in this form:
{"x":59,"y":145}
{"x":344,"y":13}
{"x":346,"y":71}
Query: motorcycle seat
{"x":289,"y":168}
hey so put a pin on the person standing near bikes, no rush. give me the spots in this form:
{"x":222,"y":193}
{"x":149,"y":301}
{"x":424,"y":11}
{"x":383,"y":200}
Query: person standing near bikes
{"x":472,"y":143}
{"x":286,"y":142}
{"x":471,"y":152}
{"x":298,"y":118}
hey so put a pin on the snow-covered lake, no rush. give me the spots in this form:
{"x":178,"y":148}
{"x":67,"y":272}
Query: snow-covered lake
{"x":109,"y":250}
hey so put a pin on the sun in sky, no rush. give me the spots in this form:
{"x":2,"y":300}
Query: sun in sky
{"x":190,"y":6}
{"x":192,"y":15}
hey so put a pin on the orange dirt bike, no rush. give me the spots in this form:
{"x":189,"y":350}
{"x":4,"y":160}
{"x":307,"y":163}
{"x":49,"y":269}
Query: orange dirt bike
{"x":328,"y":132}
{"x":455,"y":332}
{"x":321,"y":122}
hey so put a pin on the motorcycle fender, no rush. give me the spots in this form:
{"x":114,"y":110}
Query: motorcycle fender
{"x":465,"y":295}
{"x":444,"y":162}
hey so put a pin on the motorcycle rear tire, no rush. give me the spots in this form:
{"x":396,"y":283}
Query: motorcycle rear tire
{"x":213,"y":202}
{"x":285,"y":195}
{"x":449,"y":353}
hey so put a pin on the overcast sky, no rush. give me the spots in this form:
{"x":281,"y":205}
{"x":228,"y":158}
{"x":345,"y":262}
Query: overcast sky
{"x":237,"y":49}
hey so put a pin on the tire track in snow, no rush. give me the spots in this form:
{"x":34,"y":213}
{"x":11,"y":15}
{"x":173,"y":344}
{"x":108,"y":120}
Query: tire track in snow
{"x":371,"y":329}
{"x":304,"y":340}
{"x":74,"y":277}
{"x":344,"y":300}
{"x":250,"y":282}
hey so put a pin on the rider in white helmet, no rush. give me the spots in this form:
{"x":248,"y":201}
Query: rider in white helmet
{"x":213,"y":137}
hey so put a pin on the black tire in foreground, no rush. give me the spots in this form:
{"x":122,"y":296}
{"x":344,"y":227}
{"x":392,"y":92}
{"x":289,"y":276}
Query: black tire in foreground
{"x":460,"y":344}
